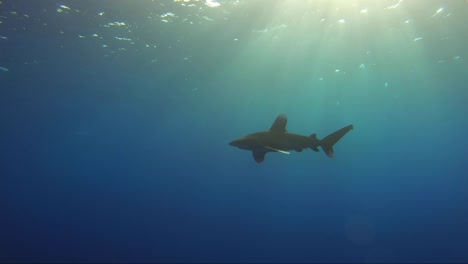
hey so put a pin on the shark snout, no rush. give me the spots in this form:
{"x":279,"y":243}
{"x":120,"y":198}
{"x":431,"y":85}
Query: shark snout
{"x":240,"y":143}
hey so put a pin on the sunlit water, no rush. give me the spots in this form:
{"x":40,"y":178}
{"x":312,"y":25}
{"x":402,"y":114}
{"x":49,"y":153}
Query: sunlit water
{"x":116,"y":118}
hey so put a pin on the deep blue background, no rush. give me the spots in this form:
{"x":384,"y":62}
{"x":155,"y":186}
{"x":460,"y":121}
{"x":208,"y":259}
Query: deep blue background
{"x":109,"y":157}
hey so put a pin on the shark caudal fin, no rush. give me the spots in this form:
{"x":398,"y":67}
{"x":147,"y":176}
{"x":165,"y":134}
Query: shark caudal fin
{"x":327,"y":142}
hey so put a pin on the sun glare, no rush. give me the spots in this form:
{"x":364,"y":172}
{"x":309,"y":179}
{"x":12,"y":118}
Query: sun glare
{"x":339,"y":38}
{"x":344,"y":7}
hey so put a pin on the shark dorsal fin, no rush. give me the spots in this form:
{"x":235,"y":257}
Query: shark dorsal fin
{"x":280,"y":124}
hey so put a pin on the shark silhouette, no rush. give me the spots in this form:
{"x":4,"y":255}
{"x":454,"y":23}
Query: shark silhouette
{"x":278,"y":139}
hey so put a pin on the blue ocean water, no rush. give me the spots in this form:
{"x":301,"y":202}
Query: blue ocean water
{"x":116,"y":118}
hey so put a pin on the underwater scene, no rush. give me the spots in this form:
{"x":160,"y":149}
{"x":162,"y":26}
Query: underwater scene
{"x":233,"y":131}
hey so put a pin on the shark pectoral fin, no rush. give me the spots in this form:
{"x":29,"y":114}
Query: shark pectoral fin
{"x":259,"y":156}
{"x":277,"y":150}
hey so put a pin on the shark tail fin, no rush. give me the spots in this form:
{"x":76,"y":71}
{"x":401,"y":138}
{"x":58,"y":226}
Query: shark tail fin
{"x":327,"y":142}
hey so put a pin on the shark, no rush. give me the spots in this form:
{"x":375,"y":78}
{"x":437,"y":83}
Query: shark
{"x":278,"y":139}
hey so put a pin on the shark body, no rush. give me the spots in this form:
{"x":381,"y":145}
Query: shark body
{"x":278,"y":139}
